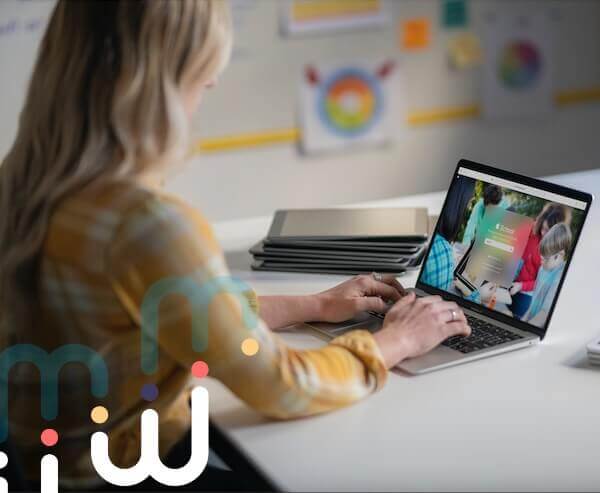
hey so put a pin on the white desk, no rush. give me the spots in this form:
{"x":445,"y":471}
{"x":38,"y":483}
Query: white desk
{"x":528,"y":420}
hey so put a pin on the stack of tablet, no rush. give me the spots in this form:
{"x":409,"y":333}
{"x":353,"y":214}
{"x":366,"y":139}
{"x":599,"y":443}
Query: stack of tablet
{"x":344,"y":241}
{"x":593,"y":351}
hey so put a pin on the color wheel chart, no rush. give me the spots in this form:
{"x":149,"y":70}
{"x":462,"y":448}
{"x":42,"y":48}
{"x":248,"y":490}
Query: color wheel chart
{"x":520,"y":65}
{"x":345,"y":105}
{"x":350,"y":102}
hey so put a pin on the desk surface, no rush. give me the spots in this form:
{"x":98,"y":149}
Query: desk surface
{"x":528,"y":420}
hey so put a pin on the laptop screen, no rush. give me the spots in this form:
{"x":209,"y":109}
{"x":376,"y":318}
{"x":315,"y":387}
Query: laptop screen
{"x":503,"y":245}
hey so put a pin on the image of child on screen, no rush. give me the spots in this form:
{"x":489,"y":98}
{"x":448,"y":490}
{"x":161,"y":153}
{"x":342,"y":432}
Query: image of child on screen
{"x":524,"y":284}
{"x":438,"y":271}
{"x":550,"y":215}
{"x":492,"y":195}
{"x":553,"y":251}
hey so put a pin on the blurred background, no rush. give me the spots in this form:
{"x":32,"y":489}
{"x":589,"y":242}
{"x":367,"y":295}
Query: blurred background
{"x":334,"y":102}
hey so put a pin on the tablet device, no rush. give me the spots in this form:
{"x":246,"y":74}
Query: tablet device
{"x":350,"y":223}
{"x":363,"y":246}
{"x":370,"y":265}
{"x":312,"y":269}
{"x":286,"y":251}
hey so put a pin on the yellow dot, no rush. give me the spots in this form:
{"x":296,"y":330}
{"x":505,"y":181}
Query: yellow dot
{"x":99,"y":415}
{"x":249,"y":346}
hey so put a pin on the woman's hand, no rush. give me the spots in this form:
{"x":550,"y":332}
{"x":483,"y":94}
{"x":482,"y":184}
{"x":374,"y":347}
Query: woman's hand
{"x":360,"y":294}
{"x":413,"y":327}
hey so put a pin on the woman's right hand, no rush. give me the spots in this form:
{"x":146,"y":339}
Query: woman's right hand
{"x":414,"y":326}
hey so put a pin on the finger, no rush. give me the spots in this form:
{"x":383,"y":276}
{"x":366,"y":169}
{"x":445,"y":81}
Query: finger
{"x":446,"y":306}
{"x":378,"y":288}
{"x":452,"y":315}
{"x":371,"y":304}
{"x":370,"y":287}
{"x":426,"y":300}
{"x":403,"y":302}
{"x":456,"y":329}
{"x":391,"y":280}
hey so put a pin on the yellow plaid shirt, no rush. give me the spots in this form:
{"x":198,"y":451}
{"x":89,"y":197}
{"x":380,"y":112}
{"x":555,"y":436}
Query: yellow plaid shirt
{"x":106,"y":246}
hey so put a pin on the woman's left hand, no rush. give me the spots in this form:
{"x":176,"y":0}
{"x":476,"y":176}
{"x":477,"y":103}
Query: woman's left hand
{"x":368,"y":292}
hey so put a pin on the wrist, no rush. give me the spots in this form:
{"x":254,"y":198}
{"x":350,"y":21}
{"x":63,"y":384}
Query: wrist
{"x":317,"y":306}
{"x":392,"y":348}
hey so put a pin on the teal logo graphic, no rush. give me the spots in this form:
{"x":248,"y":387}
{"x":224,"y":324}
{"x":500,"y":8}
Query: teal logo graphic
{"x":49,"y":366}
{"x":199,"y":296}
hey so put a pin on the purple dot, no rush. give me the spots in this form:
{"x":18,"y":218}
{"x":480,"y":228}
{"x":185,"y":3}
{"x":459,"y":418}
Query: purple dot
{"x":149,"y":392}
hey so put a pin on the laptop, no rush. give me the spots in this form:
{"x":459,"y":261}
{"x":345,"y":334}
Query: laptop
{"x":494,"y":229}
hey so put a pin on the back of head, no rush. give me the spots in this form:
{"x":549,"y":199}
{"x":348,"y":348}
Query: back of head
{"x":557,"y":239}
{"x":104,"y":101}
{"x":492,"y":195}
{"x":456,"y":205}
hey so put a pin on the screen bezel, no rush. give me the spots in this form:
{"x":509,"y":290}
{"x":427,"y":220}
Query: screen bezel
{"x":524,"y":180}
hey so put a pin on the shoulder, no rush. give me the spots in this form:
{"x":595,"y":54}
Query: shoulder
{"x":440,"y":255}
{"x":440,"y":245}
{"x":109,"y":216}
{"x":153,"y":219}
{"x":534,"y":239}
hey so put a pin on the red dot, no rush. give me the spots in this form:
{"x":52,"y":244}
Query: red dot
{"x":199,"y":369}
{"x":49,"y":437}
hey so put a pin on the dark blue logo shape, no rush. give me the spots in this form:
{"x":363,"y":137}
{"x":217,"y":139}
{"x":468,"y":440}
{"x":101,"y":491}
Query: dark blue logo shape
{"x":199,"y":297}
{"x":49,"y":366}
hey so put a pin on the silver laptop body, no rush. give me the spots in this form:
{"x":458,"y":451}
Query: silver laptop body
{"x":525,"y":334}
{"x":438,"y":358}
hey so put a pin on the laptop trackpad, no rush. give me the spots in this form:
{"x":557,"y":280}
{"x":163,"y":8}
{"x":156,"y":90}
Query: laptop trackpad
{"x":364,"y":321}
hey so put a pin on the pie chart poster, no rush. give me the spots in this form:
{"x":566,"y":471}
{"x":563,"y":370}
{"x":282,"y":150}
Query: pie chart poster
{"x":518,"y":73}
{"x":345,"y":106}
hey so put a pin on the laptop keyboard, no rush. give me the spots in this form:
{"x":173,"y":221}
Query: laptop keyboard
{"x":483,"y":335}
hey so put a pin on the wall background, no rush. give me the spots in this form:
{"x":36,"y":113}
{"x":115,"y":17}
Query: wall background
{"x":259,"y":91}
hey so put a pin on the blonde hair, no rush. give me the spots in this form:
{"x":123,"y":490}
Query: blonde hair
{"x":557,"y":239}
{"x":104,"y":100}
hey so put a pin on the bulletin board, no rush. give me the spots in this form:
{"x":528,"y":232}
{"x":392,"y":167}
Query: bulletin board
{"x":250,"y":126}
{"x":269,"y":56}
{"x":270,"y":62}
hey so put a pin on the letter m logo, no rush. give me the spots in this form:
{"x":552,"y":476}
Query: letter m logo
{"x":49,"y":366}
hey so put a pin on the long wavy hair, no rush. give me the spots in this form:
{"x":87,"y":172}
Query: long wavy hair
{"x":105,"y":100}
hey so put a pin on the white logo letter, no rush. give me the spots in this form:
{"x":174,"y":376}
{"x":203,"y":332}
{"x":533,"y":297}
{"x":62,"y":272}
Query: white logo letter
{"x":49,"y":474}
{"x":3,"y":482}
{"x":150,"y":464}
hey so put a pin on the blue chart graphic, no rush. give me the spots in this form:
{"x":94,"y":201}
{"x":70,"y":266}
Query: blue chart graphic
{"x":350,"y":102}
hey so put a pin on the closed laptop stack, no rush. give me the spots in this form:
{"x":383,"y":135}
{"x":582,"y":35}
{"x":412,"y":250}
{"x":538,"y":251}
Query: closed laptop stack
{"x":593,"y":351}
{"x":344,"y":241}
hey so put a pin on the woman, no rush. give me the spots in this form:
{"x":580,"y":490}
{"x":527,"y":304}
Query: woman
{"x":86,"y":232}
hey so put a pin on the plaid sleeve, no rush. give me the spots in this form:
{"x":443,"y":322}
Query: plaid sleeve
{"x":164,"y":241}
